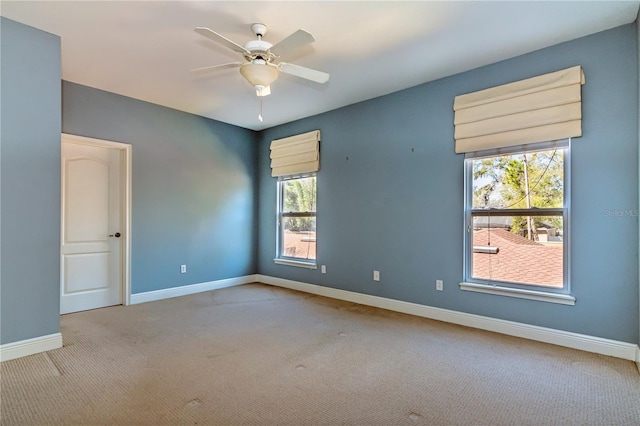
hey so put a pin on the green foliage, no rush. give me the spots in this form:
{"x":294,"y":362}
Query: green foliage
{"x":300,"y":197}
{"x":501,"y":182}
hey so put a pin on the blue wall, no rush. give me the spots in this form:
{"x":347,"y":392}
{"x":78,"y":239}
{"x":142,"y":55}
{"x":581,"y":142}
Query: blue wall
{"x":194,"y":187}
{"x":30,"y":178}
{"x":389,"y":190}
{"x":637,"y":28}
{"x":396,"y":203}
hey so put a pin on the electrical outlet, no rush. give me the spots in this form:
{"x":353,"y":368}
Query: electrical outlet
{"x":323,"y":269}
{"x":376,"y":275}
{"x":183,"y":269}
{"x":439,"y":285}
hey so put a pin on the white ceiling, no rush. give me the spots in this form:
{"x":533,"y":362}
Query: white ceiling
{"x":146,"y":49}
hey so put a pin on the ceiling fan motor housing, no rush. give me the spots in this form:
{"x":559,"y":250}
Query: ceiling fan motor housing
{"x":258,"y":49}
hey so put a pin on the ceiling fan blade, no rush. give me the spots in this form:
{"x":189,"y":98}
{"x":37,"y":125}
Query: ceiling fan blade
{"x":302,"y":72}
{"x":221,"y":40}
{"x":292,"y":42}
{"x":217,"y":67}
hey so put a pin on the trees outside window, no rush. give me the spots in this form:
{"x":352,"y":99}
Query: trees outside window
{"x":297,"y":218}
{"x":516,"y":218}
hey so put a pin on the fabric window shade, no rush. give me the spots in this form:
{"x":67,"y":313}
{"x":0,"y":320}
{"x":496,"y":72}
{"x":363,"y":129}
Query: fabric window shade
{"x":296,"y":154}
{"x":538,"y":109}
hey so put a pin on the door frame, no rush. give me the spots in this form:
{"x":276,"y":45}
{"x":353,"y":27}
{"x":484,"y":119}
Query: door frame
{"x":125,"y":149}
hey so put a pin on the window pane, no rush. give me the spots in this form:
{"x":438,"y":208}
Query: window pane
{"x":299,"y":237}
{"x":518,"y":249}
{"x":526,"y":180}
{"x":299,"y":195}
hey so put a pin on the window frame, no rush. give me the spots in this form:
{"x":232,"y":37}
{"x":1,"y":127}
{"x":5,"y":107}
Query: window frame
{"x":281,"y":258}
{"x":504,"y":288}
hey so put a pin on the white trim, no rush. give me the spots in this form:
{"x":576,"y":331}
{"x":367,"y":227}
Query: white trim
{"x":27,"y":347}
{"x":127,"y":173}
{"x":167,"y":293}
{"x":583,"y":342}
{"x":102,"y":143}
{"x":638,"y":357}
{"x":128,"y":164}
{"x":297,"y":263}
{"x":564,"y":299}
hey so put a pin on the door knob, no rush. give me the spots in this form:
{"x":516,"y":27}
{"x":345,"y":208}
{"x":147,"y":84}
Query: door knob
{"x":117,"y":235}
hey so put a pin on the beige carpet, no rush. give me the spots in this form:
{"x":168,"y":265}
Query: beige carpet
{"x":260,"y":355}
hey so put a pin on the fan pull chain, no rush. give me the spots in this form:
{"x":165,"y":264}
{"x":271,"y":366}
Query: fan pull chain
{"x":260,"y":112}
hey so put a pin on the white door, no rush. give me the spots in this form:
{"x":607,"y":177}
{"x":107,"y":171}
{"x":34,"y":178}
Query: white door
{"x":92,"y":216}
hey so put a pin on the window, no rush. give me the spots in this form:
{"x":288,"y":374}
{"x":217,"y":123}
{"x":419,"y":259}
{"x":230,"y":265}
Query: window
{"x":516,"y":219}
{"x":297,"y":220}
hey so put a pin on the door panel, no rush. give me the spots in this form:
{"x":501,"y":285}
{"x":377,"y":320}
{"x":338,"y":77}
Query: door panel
{"x":91,"y":264}
{"x":87,"y":202}
{"x":85,"y":272}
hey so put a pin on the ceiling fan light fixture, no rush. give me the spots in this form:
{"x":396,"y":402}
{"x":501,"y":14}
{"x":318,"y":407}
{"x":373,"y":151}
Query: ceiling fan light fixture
{"x":259,"y":73}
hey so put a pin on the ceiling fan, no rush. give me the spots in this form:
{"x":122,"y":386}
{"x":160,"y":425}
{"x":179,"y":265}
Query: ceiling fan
{"x":260,"y":68}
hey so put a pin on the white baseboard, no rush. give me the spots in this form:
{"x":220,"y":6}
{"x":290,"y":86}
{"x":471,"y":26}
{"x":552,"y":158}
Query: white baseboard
{"x":151,"y":296}
{"x":583,"y":342}
{"x":638,"y":357}
{"x":28,"y":347}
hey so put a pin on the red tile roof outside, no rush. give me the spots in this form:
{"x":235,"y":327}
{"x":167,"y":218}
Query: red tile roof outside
{"x":519,"y":260}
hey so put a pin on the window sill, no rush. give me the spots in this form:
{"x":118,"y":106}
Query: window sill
{"x":564,"y":299}
{"x":297,"y":263}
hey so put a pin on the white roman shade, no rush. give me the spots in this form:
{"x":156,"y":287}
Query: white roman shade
{"x":538,"y":109}
{"x":296,"y":154}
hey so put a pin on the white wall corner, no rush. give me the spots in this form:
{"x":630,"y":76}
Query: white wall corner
{"x":638,"y":357}
{"x":27,"y":347}
{"x":583,"y":342}
{"x":167,"y":293}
